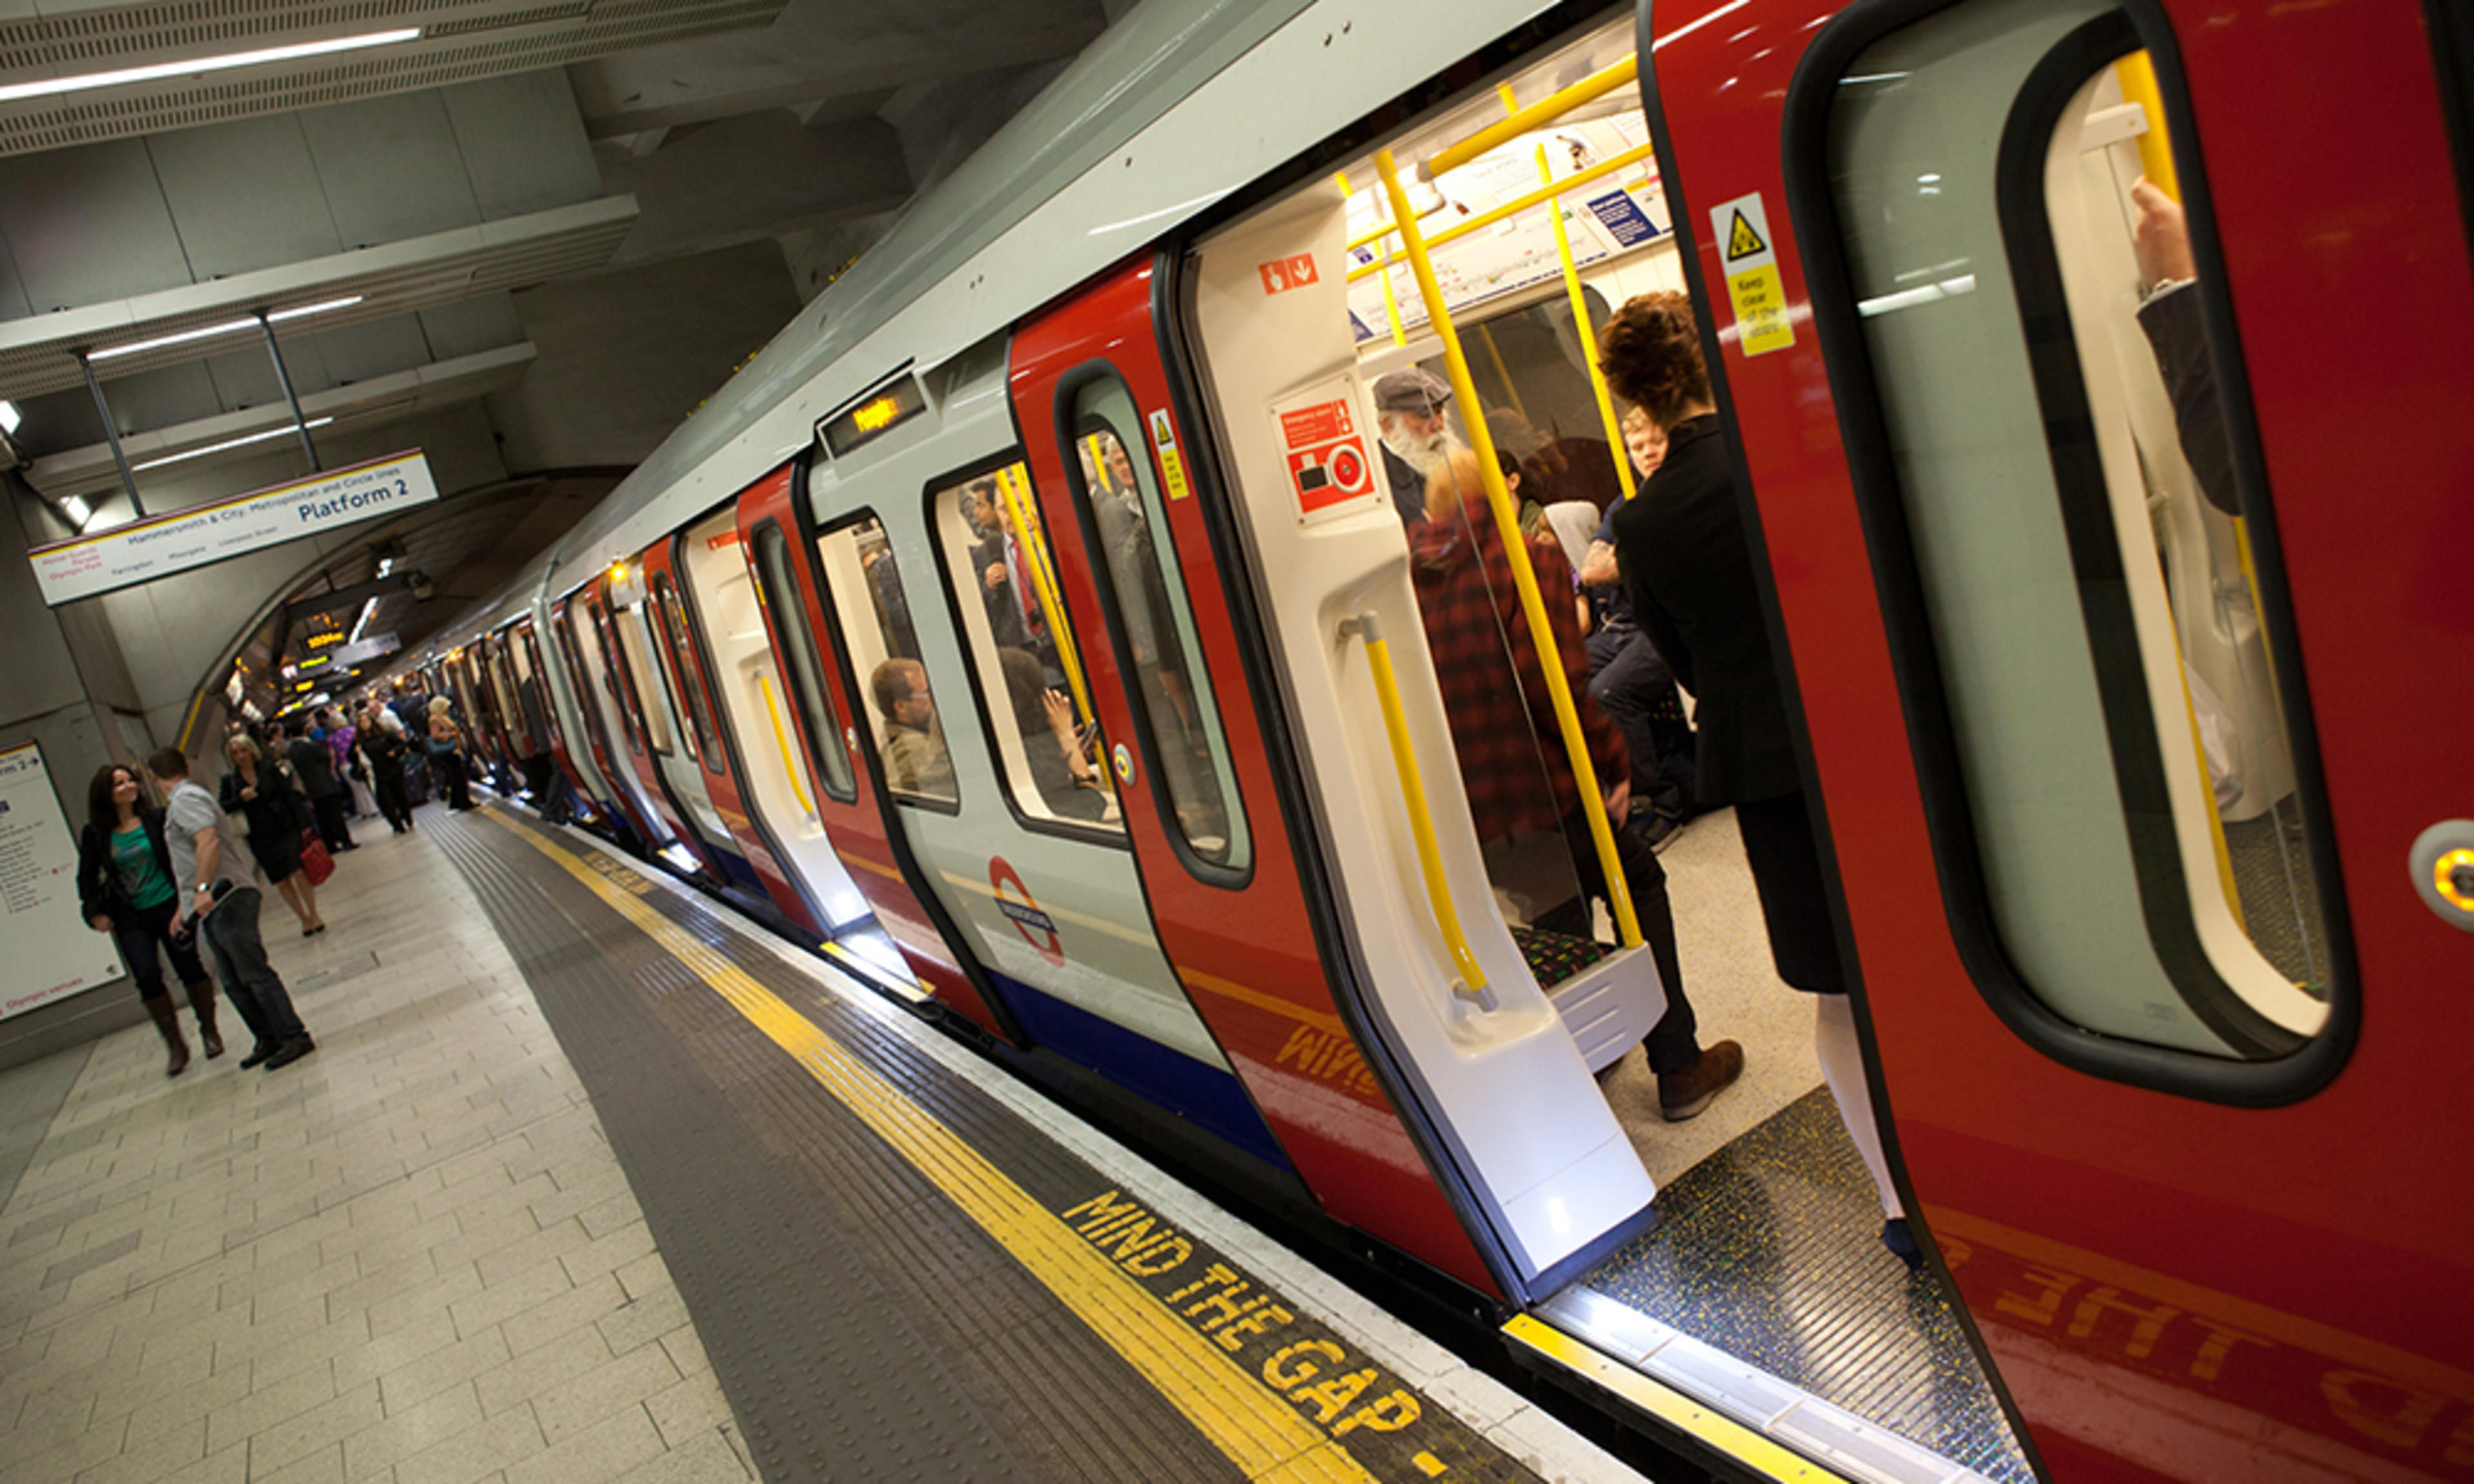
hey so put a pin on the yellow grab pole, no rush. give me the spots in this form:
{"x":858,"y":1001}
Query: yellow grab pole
{"x":1513,"y":207}
{"x":1421,"y":820}
{"x":781,"y":740}
{"x":2137,"y":74}
{"x":1524,"y":577}
{"x":1589,"y":338}
{"x":1390,"y":300}
{"x":1545,"y":110}
{"x":1043,"y":582}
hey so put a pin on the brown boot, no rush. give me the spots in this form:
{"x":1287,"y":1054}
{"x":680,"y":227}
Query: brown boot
{"x":167,"y":1020}
{"x":1683,"y":1093}
{"x":201,"y":1000}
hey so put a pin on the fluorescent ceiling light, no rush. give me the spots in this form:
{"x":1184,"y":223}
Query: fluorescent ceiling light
{"x":78,"y":511}
{"x":286,"y":431}
{"x":9,"y":418}
{"x":53,"y":87}
{"x":227,"y":328}
{"x":386,"y":566}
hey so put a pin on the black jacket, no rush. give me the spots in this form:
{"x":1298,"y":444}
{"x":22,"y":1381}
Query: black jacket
{"x":2180,"y":340}
{"x":277,"y":810}
{"x":316,"y":767}
{"x":99,"y":889}
{"x":1680,"y":543}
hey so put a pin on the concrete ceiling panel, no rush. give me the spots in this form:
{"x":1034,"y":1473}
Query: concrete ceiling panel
{"x":244,"y":377}
{"x":244,"y":196}
{"x":468,"y":326}
{"x":363,"y":353}
{"x":522,"y":143}
{"x":14,"y":302}
{"x":88,"y":224}
{"x":753,"y":177}
{"x":391,"y":167}
{"x":171,"y":393}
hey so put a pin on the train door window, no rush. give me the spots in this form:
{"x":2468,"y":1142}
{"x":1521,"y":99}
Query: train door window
{"x":652,"y":706}
{"x":1531,"y":375}
{"x":1149,"y":608}
{"x":687,"y":679}
{"x":802,"y":669}
{"x":1021,"y":651}
{"x":2058,"y":442}
{"x":528,"y":658}
{"x":631,"y":727}
{"x":865,"y":577}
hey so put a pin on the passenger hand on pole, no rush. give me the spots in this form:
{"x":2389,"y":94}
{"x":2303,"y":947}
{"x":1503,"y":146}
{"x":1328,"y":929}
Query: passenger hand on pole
{"x":2161,"y":237}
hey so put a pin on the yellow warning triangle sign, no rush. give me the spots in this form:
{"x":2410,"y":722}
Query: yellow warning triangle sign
{"x":1742,"y":240}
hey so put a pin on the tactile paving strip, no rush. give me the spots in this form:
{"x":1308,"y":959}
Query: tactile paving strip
{"x":859,"y":1323}
{"x":1770,"y":1249}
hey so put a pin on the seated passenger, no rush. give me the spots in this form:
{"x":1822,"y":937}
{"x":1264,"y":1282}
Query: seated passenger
{"x":1626,"y":675}
{"x":1471,"y":610}
{"x":915,"y":758}
{"x":1061,"y":769}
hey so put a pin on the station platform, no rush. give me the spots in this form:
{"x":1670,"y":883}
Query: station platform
{"x":589,"y":1181}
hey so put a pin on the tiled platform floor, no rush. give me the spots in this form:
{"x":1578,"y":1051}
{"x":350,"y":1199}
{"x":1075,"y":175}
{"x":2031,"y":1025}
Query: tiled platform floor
{"x":409,"y":1258}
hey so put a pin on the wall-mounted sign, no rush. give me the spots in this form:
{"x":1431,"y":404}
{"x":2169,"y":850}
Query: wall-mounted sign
{"x":140,"y":552}
{"x":378,"y":646}
{"x":53,"y":953}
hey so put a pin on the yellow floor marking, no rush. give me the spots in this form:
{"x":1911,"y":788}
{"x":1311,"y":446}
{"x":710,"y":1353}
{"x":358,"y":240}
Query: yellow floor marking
{"x":1727,"y":1435}
{"x":1252,"y":1423}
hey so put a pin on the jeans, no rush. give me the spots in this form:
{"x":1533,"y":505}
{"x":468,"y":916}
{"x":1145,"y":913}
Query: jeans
{"x":330,"y":815}
{"x":387,"y":784}
{"x":138,"y":931}
{"x":1630,"y":683}
{"x":250,"y":981}
{"x":1674,"y":1042}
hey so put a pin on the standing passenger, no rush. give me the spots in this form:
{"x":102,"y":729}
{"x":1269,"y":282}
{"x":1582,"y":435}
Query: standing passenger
{"x":222,"y":909}
{"x":271,"y":810}
{"x":446,"y":757}
{"x":126,"y":887}
{"x":1689,"y":570}
{"x":381,"y":747}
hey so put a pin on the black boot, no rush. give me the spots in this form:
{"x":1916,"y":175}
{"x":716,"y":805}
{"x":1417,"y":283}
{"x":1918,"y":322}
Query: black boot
{"x":202,"y":1001}
{"x":168,"y":1022}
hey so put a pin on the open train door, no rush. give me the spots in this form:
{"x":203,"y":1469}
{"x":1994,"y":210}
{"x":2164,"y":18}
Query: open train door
{"x":1462,"y":1129}
{"x":2173,"y":1043}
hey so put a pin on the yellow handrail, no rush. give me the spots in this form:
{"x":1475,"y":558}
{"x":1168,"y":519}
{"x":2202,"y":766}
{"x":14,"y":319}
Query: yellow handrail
{"x":781,"y":740}
{"x":1616,"y":444}
{"x":1513,"y":207}
{"x":1545,"y":110}
{"x":1390,"y":300}
{"x":1507,"y":524}
{"x":1043,"y":584}
{"x":1422,"y":818}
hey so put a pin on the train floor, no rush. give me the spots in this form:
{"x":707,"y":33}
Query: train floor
{"x":587,"y":1181}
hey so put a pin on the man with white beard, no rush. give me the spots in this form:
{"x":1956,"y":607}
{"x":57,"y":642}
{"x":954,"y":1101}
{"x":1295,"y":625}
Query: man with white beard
{"x":1417,"y":441}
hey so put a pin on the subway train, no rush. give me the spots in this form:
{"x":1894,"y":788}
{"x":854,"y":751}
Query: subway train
{"x":1030,"y":631}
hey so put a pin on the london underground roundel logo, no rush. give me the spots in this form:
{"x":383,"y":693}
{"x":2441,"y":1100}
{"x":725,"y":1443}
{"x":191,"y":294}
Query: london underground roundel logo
{"x":1014,"y":900}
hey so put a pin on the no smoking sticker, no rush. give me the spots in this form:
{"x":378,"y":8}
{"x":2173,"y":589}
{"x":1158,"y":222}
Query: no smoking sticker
{"x":1742,"y":228}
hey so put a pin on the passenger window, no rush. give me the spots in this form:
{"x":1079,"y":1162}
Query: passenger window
{"x":630,"y":725}
{"x":685,"y":677}
{"x":2059,"y":444}
{"x":866,"y":581}
{"x":1531,"y":375}
{"x":652,"y":706}
{"x":1122,"y":494}
{"x":1022,"y":654}
{"x":804,"y":671}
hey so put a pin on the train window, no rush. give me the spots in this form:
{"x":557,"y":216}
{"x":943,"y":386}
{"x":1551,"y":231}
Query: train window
{"x":803,"y":670}
{"x":652,"y":707}
{"x":631,"y":725}
{"x":1121,"y":494}
{"x":865,"y":577}
{"x":528,"y":660}
{"x":1532,"y":377}
{"x":2059,"y":442}
{"x":686,"y":675}
{"x":1021,"y":651}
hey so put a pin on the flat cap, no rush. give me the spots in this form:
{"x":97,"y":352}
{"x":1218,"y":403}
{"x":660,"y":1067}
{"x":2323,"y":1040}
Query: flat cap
{"x":1414,"y":390}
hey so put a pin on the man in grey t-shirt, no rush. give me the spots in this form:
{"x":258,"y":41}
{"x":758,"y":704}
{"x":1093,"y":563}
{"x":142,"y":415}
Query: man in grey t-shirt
{"x":221,"y":904}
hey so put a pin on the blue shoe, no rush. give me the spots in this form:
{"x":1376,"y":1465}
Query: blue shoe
{"x":1901,"y":1243}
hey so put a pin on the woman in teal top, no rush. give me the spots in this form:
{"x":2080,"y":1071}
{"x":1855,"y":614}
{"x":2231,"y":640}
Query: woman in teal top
{"x":125,"y":888}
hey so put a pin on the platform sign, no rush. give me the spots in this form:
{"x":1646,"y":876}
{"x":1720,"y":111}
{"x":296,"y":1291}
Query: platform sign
{"x":202,"y":534}
{"x":47,"y":950}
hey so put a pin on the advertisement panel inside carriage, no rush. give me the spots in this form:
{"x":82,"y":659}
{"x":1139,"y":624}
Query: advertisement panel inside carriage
{"x":1097,"y":684}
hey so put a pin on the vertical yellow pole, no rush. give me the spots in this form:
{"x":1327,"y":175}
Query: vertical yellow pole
{"x":1390,"y":300}
{"x":1044,"y":582}
{"x":2137,"y":74}
{"x":1524,"y":577}
{"x":1588,"y":338}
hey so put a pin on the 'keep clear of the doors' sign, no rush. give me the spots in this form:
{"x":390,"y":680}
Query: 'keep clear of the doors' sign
{"x":52,"y":951}
{"x":144,"y":550}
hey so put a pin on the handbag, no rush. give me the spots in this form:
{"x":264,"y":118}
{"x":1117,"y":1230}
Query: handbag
{"x":315,"y":861}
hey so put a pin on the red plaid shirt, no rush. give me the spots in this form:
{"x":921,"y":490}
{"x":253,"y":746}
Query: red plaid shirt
{"x":1513,"y":762}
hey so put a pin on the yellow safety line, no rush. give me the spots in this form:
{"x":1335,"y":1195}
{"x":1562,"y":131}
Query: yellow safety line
{"x":1513,"y":207}
{"x":781,"y":740}
{"x":1545,"y":110}
{"x":1043,"y":582}
{"x":1413,"y":793}
{"x":1730,"y":1437}
{"x":1257,"y":1428}
{"x":1524,"y":577}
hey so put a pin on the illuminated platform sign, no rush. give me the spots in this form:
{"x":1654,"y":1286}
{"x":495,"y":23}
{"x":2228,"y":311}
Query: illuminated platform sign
{"x":202,"y":534}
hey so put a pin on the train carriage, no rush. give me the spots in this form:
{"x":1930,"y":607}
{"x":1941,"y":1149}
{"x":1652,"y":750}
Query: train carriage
{"x":1034,"y":630}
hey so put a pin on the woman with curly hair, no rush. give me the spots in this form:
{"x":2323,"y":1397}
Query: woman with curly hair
{"x":125,"y":888}
{"x":1681,"y":547}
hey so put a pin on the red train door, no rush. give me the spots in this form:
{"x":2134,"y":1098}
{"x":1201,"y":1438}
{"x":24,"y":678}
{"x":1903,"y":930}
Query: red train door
{"x":638,"y":702}
{"x":2124,"y":574}
{"x":677,"y":622}
{"x":776,"y":533}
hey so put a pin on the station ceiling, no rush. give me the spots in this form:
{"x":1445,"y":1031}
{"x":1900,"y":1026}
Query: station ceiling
{"x":526,"y":237}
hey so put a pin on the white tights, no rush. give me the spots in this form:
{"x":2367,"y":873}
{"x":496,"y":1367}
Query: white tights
{"x":1842,"y":1065}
